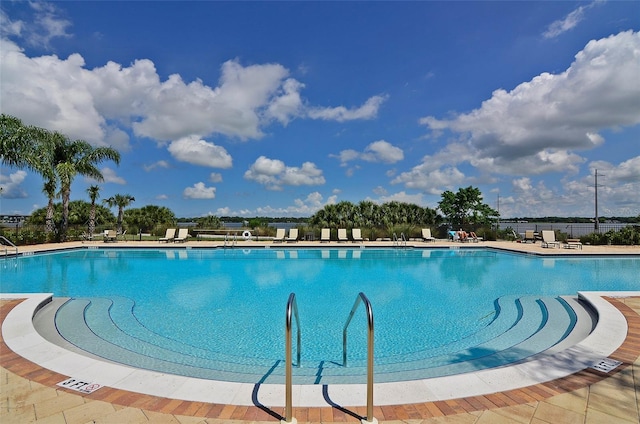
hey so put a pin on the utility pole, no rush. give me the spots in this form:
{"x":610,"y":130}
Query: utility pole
{"x":596,"y":225}
{"x":498,"y":209}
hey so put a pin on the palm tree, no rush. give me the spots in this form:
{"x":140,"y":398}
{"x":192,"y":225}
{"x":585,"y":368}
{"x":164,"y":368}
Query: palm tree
{"x":25,"y":146}
{"x":53,"y":156}
{"x":94,"y":193}
{"x":121,"y":201}
{"x":70,"y":158}
{"x":49,"y":189}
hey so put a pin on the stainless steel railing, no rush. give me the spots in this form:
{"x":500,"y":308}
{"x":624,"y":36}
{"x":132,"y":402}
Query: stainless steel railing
{"x":292,"y":312}
{"x":6,"y":242}
{"x":362,"y":299}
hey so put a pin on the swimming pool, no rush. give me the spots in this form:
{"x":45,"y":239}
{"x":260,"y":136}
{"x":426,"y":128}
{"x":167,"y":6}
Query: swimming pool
{"x":233,"y":300}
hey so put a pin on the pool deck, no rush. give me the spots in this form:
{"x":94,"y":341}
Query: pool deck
{"x":29,"y":392}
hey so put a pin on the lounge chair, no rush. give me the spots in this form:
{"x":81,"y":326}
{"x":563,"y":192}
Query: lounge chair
{"x":279,"y":238}
{"x":325,"y":235}
{"x":183,"y":235}
{"x":110,"y":235}
{"x":549,"y":239}
{"x":473,"y":237}
{"x":529,"y":236}
{"x":573,"y":244}
{"x":453,"y":235}
{"x":293,"y":235}
{"x":356,"y":234}
{"x":122,"y":236}
{"x":168,"y":236}
{"x":426,"y":235}
{"x":342,"y":234}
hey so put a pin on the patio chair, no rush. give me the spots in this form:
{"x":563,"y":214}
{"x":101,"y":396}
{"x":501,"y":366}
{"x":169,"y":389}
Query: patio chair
{"x":168,"y":236}
{"x":342,"y":234}
{"x":325,"y":235}
{"x":426,"y":235}
{"x":549,"y":239}
{"x":356,"y":234}
{"x":183,"y":235}
{"x":110,"y":236}
{"x":529,"y":236}
{"x":293,"y":235}
{"x":279,"y":238}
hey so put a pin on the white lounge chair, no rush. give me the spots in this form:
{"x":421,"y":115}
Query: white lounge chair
{"x":342,"y":234}
{"x":426,"y":235}
{"x":549,"y":239}
{"x":168,"y":236}
{"x":356,"y":234}
{"x":279,"y":238}
{"x":325,"y":235}
{"x":183,"y":235}
{"x":293,"y":235}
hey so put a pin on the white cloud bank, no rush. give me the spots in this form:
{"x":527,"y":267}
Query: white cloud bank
{"x":104,"y":104}
{"x":538,"y":126}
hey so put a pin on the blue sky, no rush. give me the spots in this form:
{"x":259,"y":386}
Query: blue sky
{"x":279,"y":108}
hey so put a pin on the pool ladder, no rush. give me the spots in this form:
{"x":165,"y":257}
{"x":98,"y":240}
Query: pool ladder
{"x":292,"y":312}
{"x":6,"y":243}
{"x":399,"y":242}
{"x":232,"y":242}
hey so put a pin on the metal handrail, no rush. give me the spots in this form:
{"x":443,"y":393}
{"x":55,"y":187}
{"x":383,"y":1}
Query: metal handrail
{"x":362,"y":299}
{"x":292,"y":310}
{"x":6,"y":241}
{"x":226,"y":239}
{"x":402,"y":241}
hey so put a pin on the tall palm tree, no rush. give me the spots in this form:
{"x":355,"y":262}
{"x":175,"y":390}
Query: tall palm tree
{"x":71,"y":158}
{"x":49,"y":189}
{"x":121,"y":201}
{"x":94,"y":193}
{"x":28,"y":147}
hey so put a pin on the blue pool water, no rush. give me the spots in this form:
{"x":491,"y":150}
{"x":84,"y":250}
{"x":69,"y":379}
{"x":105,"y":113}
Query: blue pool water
{"x":233,"y":301}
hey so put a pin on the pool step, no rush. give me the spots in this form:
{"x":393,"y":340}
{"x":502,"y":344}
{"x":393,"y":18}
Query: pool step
{"x":522,"y":327}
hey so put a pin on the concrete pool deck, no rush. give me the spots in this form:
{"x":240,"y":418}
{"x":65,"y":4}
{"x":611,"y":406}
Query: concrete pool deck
{"x":29,"y":393}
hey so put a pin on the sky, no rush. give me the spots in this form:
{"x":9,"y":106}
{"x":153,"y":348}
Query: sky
{"x":280,"y":108}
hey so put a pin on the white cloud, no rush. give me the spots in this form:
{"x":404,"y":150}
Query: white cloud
{"x":199,"y":191}
{"x":618,"y":187}
{"x":433,"y":181}
{"x":196,"y":151}
{"x":102,"y":104}
{"x":8,"y":27}
{"x":402,"y":197}
{"x":288,"y":103}
{"x":534,"y":128}
{"x":273,"y":174}
{"x":378,"y":151}
{"x":369,"y":110}
{"x":215,"y":177}
{"x":570,"y":21}
{"x":159,"y":164}
{"x":110,"y":176}
{"x":10,"y":185}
